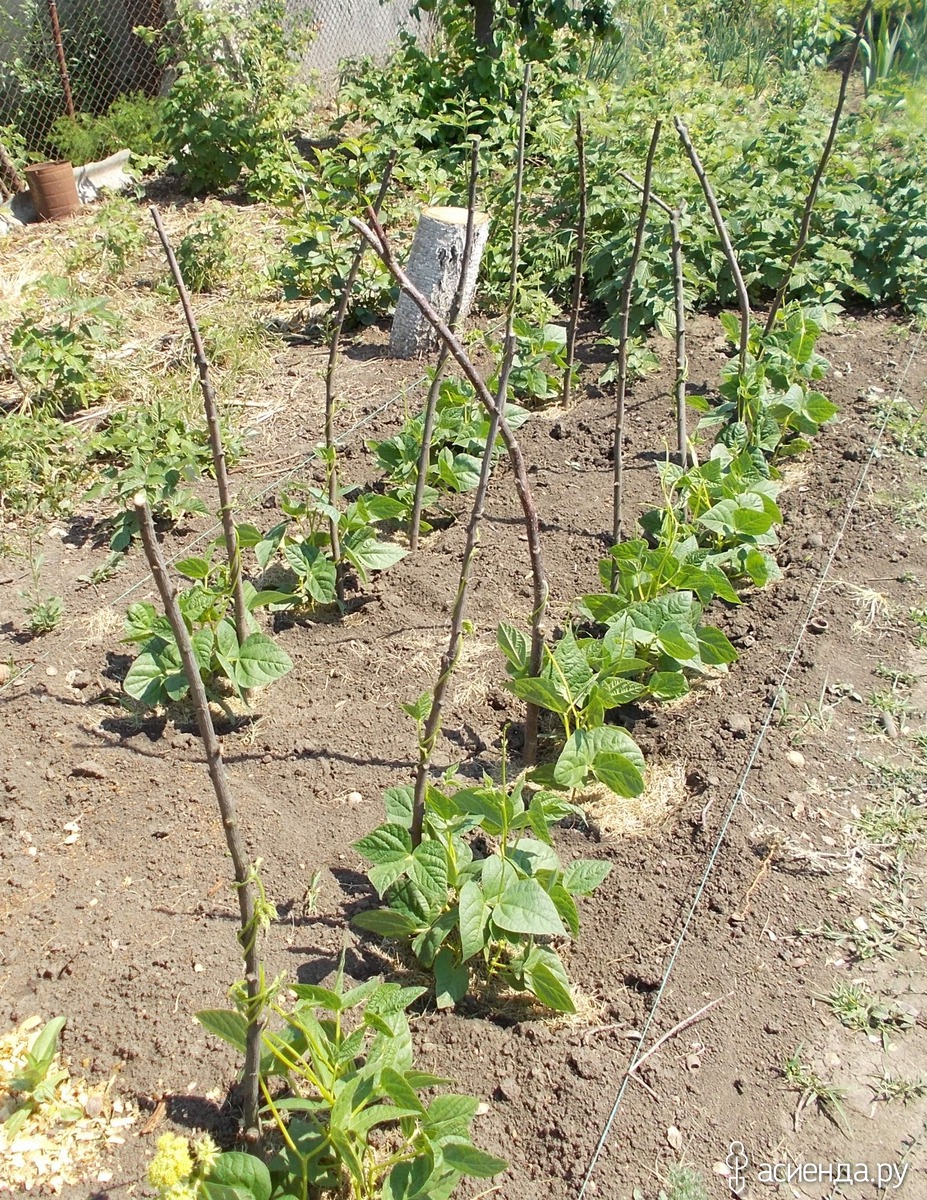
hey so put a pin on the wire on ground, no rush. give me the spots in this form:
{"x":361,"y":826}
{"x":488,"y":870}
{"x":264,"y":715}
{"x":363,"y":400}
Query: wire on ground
{"x":748,"y":767}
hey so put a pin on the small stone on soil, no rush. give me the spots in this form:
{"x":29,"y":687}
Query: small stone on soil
{"x":88,"y":769}
{"x":738,"y":724}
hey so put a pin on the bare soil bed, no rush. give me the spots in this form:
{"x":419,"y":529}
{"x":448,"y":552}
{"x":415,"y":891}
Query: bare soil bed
{"x":129,"y":928}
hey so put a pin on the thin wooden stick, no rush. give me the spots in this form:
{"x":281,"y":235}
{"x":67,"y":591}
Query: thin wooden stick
{"x":625,"y":319}
{"x":452,"y":654}
{"x":428,"y":423}
{"x":331,"y":450}
{"x":679,"y":298}
{"x":678,"y":1028}
{"x":578,"y":257}
{"x":805,"y":227}
{"x":682,"y":362}
{"x":229,"y":533}
{"x":743,"y":299}
{"x":215,"y":765}
{"x":377,"y":238}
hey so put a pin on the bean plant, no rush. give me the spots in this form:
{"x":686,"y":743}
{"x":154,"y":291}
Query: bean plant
{"x":297,"y":551}
{"x":340,"y":1086}
{"x":472,"y":916}
{"x":228,"y":667}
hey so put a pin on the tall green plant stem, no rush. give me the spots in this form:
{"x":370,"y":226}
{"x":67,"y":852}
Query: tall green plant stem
{"x":805,"y":227}
{"x":331,"y":449}
{"x":434,"y":391}
{"x":449,"y":660}
{"x":229,"y":533}
{"x":625,"y":320}
{"x":679,"y":303}
{"x":215,"y":765}
{"x":743,"y":300}
{"x":378,"y":240}
{"x":578,"y":257}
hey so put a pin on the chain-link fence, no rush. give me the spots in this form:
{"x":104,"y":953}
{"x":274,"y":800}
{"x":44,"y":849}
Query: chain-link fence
{"x":61,"y":57}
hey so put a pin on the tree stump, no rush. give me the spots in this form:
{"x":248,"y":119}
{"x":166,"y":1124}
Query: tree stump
{"x":434,"y":267}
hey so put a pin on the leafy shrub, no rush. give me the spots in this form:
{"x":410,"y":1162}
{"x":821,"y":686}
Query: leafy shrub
{"x":131,"y":122}
{"x":204,"y":253}
{"x":58,"y":354}
{"x":337,"y":183}
{"x":42,"y":461}
{"x":454,"y":908}
{"x":235,"y":96}
{"x":353,"y":1121}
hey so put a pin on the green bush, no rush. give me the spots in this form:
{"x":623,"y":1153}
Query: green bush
{"x":132,"y":122}
{"x":235,"y":98}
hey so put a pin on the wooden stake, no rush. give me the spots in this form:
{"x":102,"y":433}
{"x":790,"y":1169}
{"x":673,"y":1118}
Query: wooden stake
{"x":226,"y":801}
{"x":62,"y":61}
{"x":679,"y":297}
{"x":452,"y":654}
{"x":618,"y":460}
{"x":819,"y":173}
{"x":378,"y":240}
{"x":743,"y":299}
{"x":578,"y":257}
{"x":229,"y":533}
{"x":428,"y":425}
{"x":331,"y":450}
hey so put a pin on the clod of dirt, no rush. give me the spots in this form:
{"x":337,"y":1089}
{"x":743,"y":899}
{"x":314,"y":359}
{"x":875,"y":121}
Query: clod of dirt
{"x":4,"y":673}
{"x":738,"y":724}
{"x":508,"y":1089}
{"x":88,"y":769}
{"x":796,"y":759}
{"x":814,"y":541}
{"x":586,"y":1064}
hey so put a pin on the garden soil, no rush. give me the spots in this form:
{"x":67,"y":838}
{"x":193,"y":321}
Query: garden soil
{"x":117,"y":909}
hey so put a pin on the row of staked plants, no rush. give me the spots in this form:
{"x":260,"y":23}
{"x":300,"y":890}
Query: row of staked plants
{"x":472,"y":885}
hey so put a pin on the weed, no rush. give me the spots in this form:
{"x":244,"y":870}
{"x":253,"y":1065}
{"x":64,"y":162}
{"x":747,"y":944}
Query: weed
{"x":857,"y":1008}
{"x":58,"y":358}
{"x":894,"y":822}
{"x":805,"y":719}
{"x":918,"y":616}
{"x":44,"y":612}
{"x":35,"y":1086}
{"x":119,"y":236}
{"x":43,"y":461}
{"x":827,"y":1097}
{"x":890,"y":702}
{"x":684,"y":1183}
{"x":44,"y":615}
{"x":896,"y":677}
{"x":205,"y":255}
{"x":896,"y":1087}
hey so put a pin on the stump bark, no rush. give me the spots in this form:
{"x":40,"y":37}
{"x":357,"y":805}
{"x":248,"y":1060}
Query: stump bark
{"x":434,"y":268}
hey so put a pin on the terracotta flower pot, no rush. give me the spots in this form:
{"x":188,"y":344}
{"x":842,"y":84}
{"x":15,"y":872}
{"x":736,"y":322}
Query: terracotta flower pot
{"x":53,"y":189}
